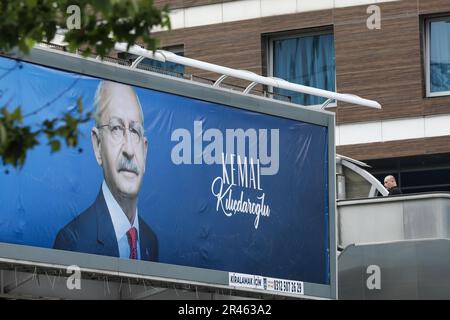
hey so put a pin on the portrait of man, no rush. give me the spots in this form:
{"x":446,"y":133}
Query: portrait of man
{"x":391,"y":185}
{"x":111,"y":225}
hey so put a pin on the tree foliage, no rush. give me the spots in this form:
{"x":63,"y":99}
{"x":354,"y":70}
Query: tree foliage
{"x":102,"y":23}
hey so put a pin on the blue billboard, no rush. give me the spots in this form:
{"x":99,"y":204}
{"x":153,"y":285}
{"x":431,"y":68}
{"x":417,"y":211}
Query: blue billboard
{"x":168,"y":178}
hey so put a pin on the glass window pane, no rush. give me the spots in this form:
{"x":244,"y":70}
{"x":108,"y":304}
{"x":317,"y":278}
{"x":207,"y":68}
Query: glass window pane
{"x":431,"y":177}
{"x":170,"y":67}
{"x":307,"y":60}
{"x":440,"y":56}
{"x":167,"y":66}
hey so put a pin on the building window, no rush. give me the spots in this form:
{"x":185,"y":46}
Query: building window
{"x":167,"y":66}
{"x":306,"y":59}
{"x":438,"y":56}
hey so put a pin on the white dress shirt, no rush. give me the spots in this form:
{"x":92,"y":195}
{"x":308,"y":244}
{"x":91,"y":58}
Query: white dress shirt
{"x":121,"y":224}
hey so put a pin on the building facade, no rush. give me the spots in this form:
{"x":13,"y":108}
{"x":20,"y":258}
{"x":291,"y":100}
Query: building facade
{"x":396,"y":52}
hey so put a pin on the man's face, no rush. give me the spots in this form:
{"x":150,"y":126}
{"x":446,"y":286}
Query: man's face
{"x":119,"y":142}
{"x":389,"y":183}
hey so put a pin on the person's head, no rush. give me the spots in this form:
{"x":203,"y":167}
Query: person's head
{"x":118,"y":138}
{"x":389,"y":182}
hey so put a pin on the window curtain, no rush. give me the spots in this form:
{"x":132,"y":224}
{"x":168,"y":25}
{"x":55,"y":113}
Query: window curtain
{"x":307,"y":60}
{"x":440,"y":56}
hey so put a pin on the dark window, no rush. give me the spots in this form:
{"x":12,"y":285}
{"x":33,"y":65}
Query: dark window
{"x":166,"y":66}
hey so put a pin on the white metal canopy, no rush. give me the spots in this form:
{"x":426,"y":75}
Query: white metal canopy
{"x":163,"y":56}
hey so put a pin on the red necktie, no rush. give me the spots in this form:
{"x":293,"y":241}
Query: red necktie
{"x":132,"y":237}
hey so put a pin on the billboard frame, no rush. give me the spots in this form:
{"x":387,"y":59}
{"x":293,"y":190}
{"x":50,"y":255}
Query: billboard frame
{"x":168,"y":272}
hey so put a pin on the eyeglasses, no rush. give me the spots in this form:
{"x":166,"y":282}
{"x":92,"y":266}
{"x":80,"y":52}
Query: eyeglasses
{"x":118,"y":128}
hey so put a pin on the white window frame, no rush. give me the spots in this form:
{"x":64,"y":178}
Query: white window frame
{"x":299,"y":34}
{"x":427,"y":58}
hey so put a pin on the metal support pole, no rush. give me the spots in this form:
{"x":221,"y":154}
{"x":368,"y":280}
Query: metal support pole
{"x":250,"y":87}
{"x":340,"y":182}
{"x":136,"y":62}
{"x":7,"y":289}
{"x":220,"y":80}
{"x":326,"y":103}
{"x":2,"y":283}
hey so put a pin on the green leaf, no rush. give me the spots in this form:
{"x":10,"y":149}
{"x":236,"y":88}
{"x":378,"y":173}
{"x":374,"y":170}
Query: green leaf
{"x":30,"y":42}
{"x":31,"y":3}
{"x":16,"y":115}
{"x":55,"y":145}
{"x":3,"y":135}
{"x":80,"y":105}
{"x":48,"y":124}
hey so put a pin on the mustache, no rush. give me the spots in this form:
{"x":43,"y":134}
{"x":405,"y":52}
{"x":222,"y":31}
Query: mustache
{"x":128,"y":165}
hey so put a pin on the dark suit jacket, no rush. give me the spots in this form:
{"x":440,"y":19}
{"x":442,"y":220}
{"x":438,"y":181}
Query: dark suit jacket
{"x":394,"y":191}
{"x":93,"y":232}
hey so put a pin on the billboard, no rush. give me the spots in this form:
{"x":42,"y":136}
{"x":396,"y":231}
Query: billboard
{"x":173,"y":173}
